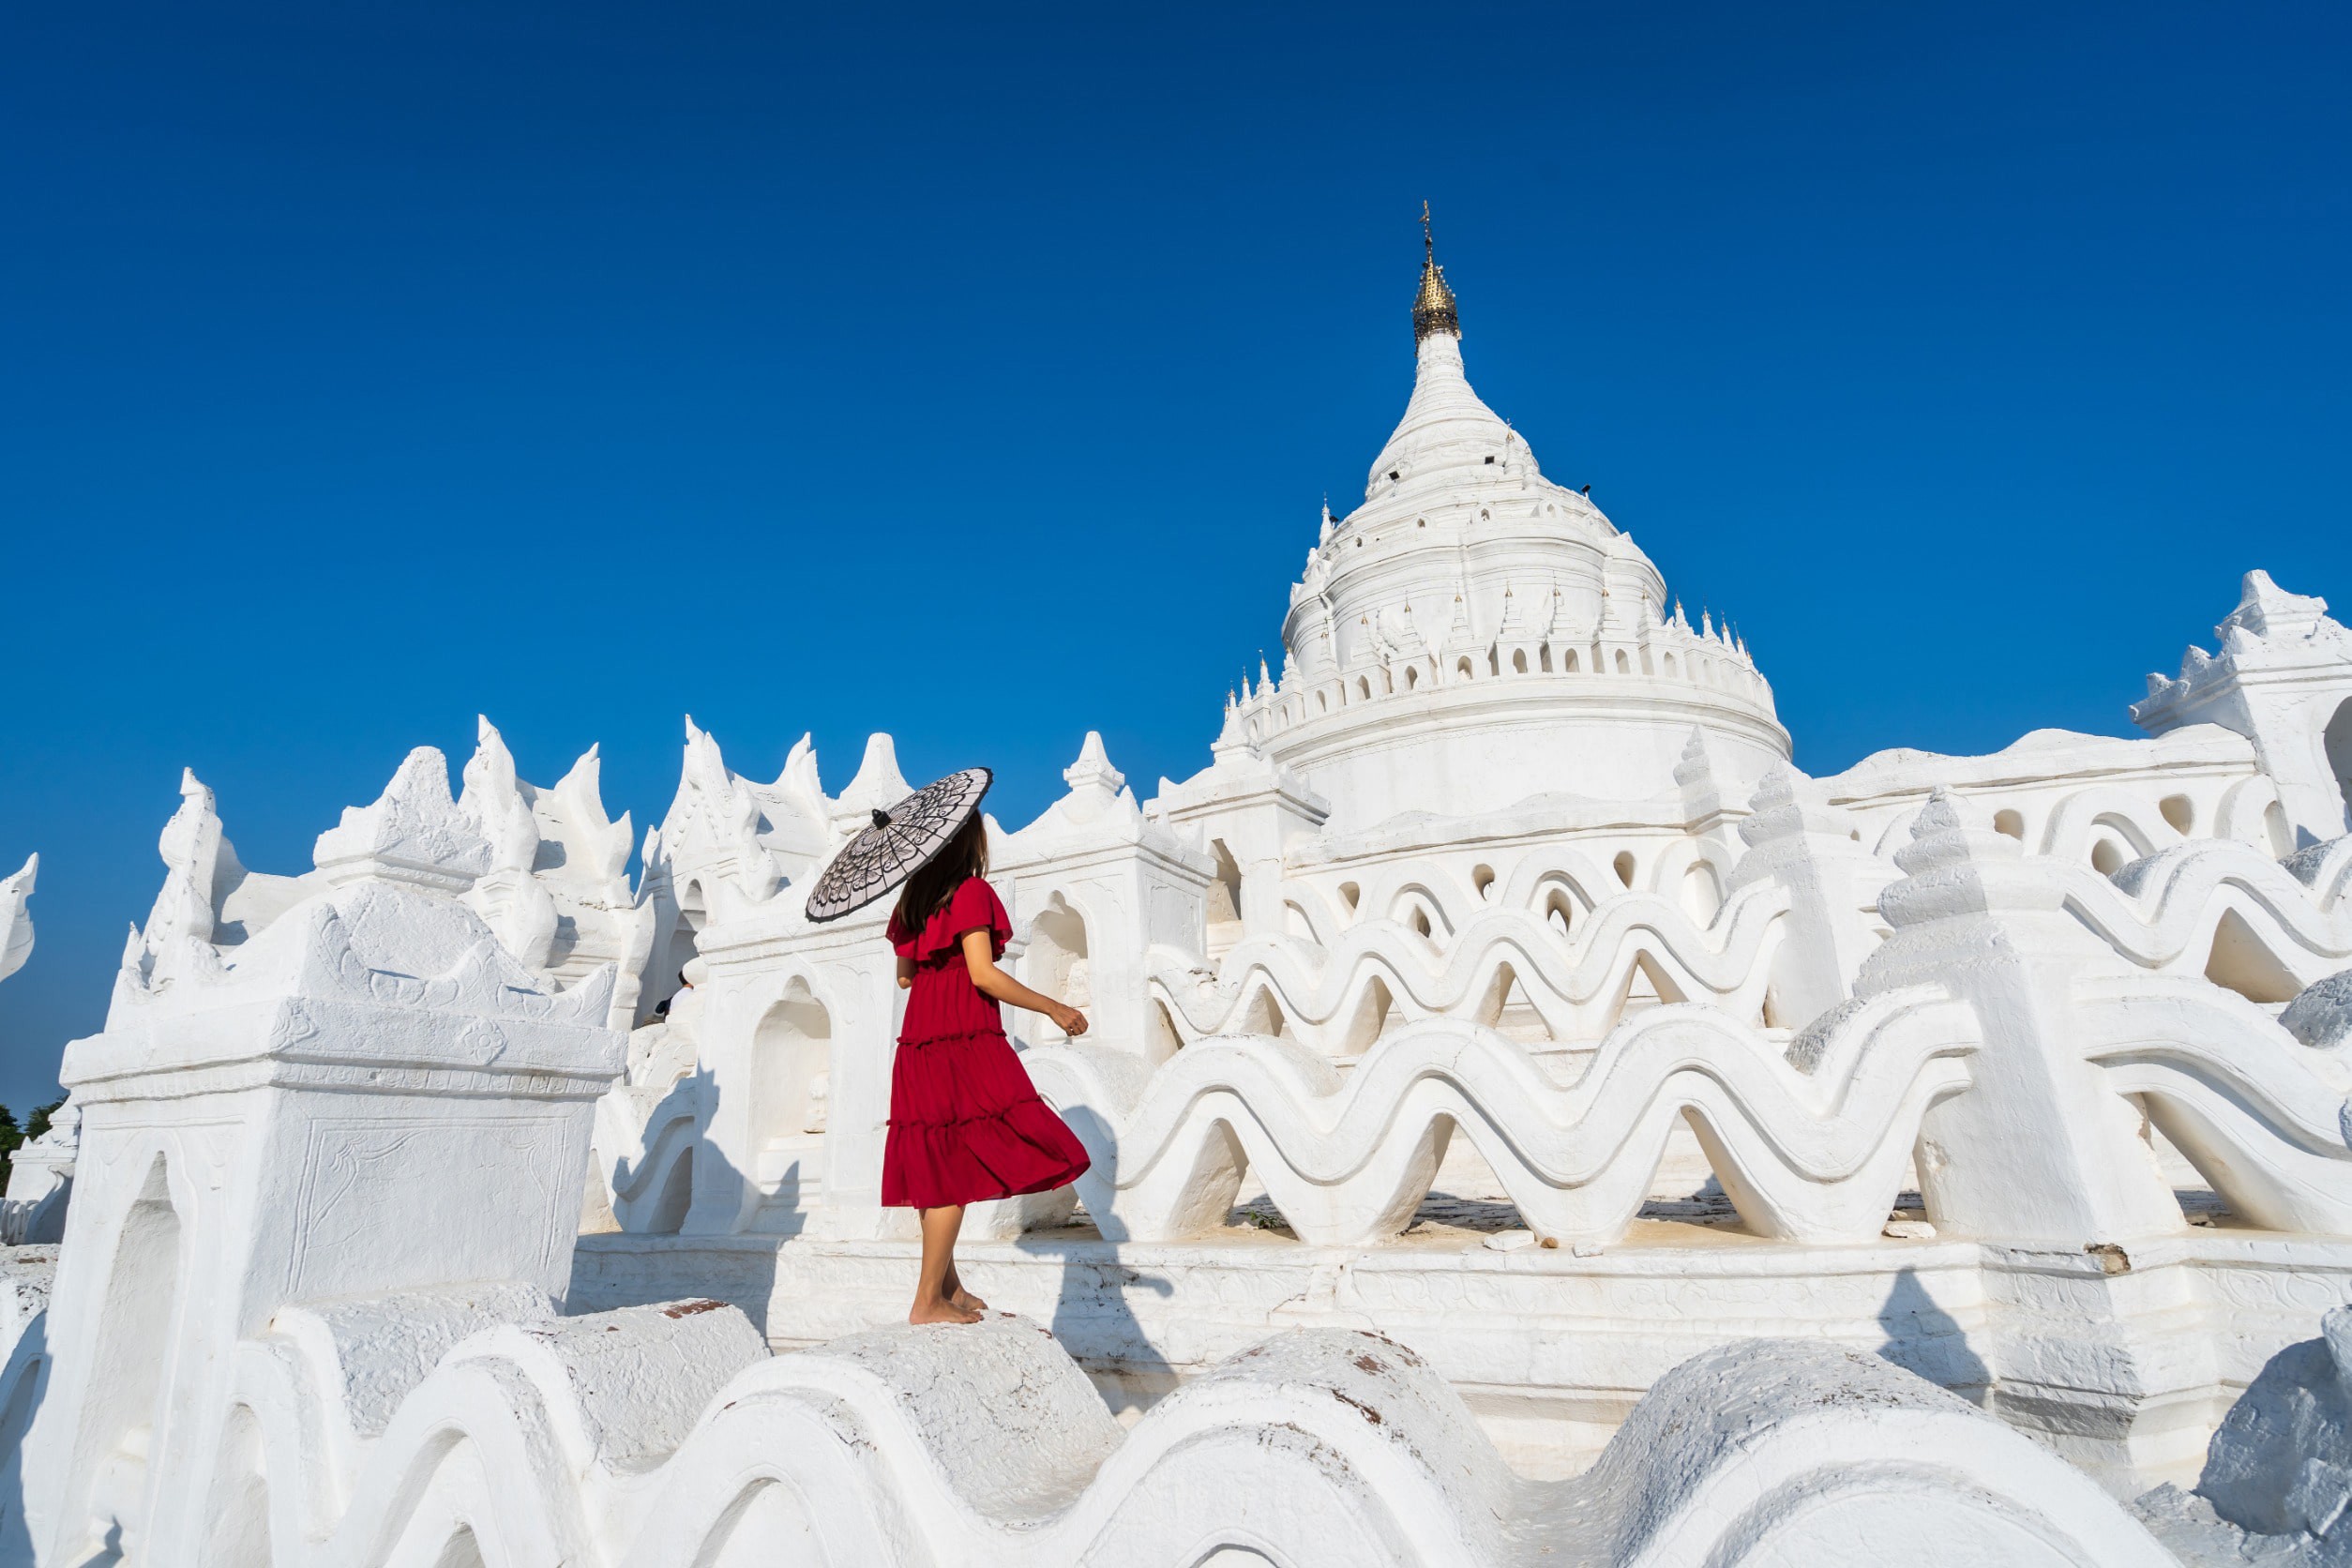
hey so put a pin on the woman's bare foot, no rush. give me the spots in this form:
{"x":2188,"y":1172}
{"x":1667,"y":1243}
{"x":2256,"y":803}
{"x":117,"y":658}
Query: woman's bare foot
{"x":941,"y":1311}
{"x":954,"y":1291}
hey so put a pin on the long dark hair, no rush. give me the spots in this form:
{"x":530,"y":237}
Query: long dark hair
{"x":928,"y":891}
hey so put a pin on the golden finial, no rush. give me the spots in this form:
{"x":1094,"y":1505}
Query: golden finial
{"x":1434,"y":310}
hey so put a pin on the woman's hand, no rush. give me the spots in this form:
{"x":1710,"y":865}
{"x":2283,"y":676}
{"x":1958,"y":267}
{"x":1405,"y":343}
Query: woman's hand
{"x":980,"y":964}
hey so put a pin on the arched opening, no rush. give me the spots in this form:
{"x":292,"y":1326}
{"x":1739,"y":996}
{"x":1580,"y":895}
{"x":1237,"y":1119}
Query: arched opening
{"x":1463,"y":667}
{"x":684,"y":945}
{"x":1057,"y":963}
{"x":1263,"y":1016}
{"x":2107,"y":857}
{"x":1349,"y":895}
{"x":1669,"y":667}
{"x":1647,"y":985}
{"x":1518,"y":661}
{"x":769,"y":1524}
{"x":1568,"y":665}
{"x":1505,"y":1009}
{"x":121,"y":1421}
{"x":1623,"y":864}
{"x":2338,"y":740}
{"x":1160,"y":1039}
{"x":1363,"y":687}
{"x":1494,"y":661}
{"x":2241,"y":963}
{"x":1702,"y":892}
{"x":1560,"y":911}
{"x":1224,"y":902}
{"x":1483,"y":881}
{"x":2180,"y":811}
{"x":1624,"y":666}
{"x":1368,"y":1021}
{"x":1322,"y":703}
{"x":677,"y":1196}
{"x":462,"y":1551}
{"x":236,"y":1525}
{"x":791,"y":1063}
{"x":2275,"y":829}
{"x":1419,"y":920}
{"x":2009,"y":819}
{"x":1412,"y":677}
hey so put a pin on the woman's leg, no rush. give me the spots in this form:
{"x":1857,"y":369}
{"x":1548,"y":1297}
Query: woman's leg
{"x":931,"y":1302}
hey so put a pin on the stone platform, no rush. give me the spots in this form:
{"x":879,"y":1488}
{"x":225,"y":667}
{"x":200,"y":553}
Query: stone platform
{"x":2124,"y":1363}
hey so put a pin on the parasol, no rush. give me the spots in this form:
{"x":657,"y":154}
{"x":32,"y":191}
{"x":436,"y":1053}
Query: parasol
{"x":901,"y":842}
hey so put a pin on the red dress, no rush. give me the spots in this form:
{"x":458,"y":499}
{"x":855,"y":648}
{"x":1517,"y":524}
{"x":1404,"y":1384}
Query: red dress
{"x":965,"y":1122}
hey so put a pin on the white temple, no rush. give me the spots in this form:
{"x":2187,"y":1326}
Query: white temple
{"x":1530,"y":1120}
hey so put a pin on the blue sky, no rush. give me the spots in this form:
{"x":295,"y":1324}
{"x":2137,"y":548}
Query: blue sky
{"x":976,"y":374}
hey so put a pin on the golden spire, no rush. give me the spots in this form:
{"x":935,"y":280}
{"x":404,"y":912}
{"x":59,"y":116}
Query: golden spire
{"x":1433,"y":308}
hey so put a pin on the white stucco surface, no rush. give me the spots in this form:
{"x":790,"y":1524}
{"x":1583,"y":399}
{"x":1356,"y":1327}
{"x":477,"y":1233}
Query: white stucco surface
{"x":1531,"y":1121}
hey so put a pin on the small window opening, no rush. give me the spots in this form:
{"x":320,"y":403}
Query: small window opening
{"x":1395,"y":474}
{"x":1490,"y":460}
{"x":1482,"y":879}
{"x":1623,"y":865}
{"x":1349,"y":894}
{"x":2180,"y":812}
{"x":2010,"y":822}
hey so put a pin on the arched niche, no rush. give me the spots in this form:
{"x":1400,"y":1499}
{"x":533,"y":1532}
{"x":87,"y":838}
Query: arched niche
{"x":791,"y":1057}
{"x":131,"y":1372}
{"x":236,"y":1521}
{"x":1702,"y":893}
{"x":1058,"y":963}
{"x":791,"y":1054}
{"x":684,"y":946}
{"x":1222,"y":907}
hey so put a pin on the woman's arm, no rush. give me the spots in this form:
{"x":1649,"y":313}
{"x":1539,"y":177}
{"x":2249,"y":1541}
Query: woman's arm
{"x":906,"y":973}
{"x":980,"y":961}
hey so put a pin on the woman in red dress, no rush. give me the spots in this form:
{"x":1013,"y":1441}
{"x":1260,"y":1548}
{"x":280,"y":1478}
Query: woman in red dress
{"x":965,"y":1122}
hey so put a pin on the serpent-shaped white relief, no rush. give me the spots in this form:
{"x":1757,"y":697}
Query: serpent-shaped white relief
{"x":2225,"y":908}
{"x":1577,"y":983}
{"x":664,"y":1436}
{"x":2260,"y":1115}
{"x":1806,"y":1154}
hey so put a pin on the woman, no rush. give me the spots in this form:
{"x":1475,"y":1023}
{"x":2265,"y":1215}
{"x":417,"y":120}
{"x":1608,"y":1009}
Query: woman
{"x":965,"y":1122}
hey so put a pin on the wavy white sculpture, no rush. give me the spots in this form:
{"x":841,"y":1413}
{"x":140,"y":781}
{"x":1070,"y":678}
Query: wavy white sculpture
{"x":1530,"y":1120}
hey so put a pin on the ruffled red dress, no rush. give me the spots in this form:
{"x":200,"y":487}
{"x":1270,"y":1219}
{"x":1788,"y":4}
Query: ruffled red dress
{"x":965,"y":1122}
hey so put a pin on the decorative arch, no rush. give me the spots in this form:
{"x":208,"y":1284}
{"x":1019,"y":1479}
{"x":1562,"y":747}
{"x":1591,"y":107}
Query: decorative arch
{"x":138,"y":1329}
{"x":1058,"y":962}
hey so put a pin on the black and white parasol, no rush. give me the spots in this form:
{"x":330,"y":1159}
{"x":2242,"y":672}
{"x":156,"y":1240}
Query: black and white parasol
{"x":901,"y":842}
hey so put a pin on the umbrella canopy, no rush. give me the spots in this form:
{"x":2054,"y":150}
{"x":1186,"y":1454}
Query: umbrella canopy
{"x":901,"y":842}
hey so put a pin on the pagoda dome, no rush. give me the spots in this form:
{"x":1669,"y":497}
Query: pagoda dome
{"x":1474,"y":634}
